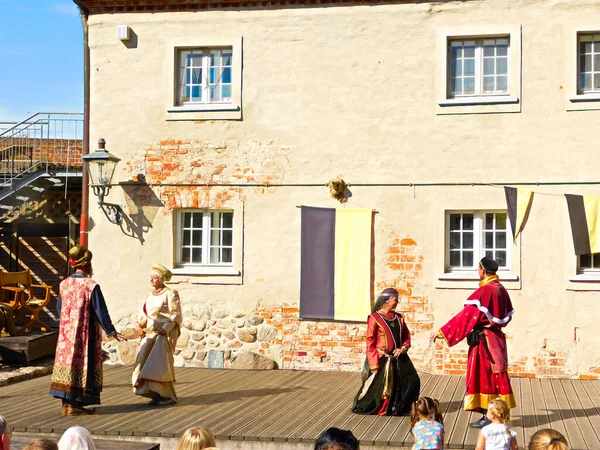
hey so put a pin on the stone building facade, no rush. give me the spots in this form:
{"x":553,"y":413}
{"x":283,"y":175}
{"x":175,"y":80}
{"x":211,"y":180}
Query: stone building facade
{"x":426,"y":109}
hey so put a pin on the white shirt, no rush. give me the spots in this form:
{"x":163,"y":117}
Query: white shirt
{"x":496,"y":437}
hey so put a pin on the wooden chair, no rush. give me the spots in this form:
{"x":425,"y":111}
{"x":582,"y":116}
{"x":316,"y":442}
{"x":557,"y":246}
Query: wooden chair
{"x":29,"y":306}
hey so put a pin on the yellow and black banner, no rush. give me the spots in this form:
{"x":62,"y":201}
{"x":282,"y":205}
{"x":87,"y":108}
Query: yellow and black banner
{"x":584,"y":212}
{"x":518,"y":202}
{"x":335,"y":271}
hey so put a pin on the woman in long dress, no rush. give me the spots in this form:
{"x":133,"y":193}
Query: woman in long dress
{"x":159,"y":327}
{"x":390,"y":382}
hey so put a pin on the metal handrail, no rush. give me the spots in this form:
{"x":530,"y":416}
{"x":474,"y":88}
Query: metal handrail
{"x":42,"y":140}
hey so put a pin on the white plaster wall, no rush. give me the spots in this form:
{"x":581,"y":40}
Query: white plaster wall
{"x":350,"y":90}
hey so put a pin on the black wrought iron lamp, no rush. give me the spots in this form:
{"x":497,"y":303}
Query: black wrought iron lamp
{"x":101,"y":167}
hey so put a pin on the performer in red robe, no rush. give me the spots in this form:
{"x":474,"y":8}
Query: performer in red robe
{"x":485,"y":313}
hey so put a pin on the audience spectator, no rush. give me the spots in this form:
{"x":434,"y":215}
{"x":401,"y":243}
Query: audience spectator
{"x":197,"y":439}
{"x":76,"y":438}
{"x":548,"y":439}
{"x":427,"y":424}
{"x":4,"y":434}
{"x":42,"y":444}
{"x":336,"y":439}
{"x":497,"y":435}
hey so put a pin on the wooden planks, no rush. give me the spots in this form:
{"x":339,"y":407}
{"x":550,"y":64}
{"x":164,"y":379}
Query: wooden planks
{"x":296,"y":406}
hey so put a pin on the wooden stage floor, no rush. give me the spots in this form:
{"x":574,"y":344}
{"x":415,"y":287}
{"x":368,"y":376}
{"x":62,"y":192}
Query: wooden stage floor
{"x":289,"y":407}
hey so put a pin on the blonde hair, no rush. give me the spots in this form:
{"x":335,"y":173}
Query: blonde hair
{"x":196,"y":439}
{"x":501,"y":411}
{"x":41,"y":444}
{"x":548,"y":439}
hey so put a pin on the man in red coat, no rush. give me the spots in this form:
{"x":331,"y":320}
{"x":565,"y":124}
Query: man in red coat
{"x":485,"y":313}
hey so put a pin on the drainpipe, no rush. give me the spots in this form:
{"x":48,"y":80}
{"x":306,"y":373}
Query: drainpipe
{"x":85,"y":187}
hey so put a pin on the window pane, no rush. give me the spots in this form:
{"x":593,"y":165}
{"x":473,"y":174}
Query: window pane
{"x":227,"y":220}
{"x":227,"y":237}
{"x":489,"y":221}
{"x":469,"y":67}
{"x":587,"y":81}
{"x":596,"y":260}
{"x":196,"y":255}
{"x":467,"y":221}
{"x":457,"y":85}
{"x":488,"y":66}
{"x":197,"y":75}
{"x":488,"y":84}
{"x":502,"y":47}
{"x":186,"y":237}
{"x":215,"y":237}
{"x":489,"y":239}
{"x":501,"y":240}
{"x":490,"y":254}
{"x":227,"y":58}
{"x":212,"y":75}
{"x":501,"y":258}
{"x":585,"y":47}
{"x":455,"y":69}
{"x":585,"y":63}
{"x":467,"y":240}
{"x":187,"y":219}
{"x":500,"y":221}
{"x":585,"y":261}
{"x":185,"y":255}
{"x":501,"y":84}
{"x":227,"y":255}
{"x":455,"y":221}
{"x":225,"y":92}
{"x":455,"y":259}
{"x":596,"y":81}
{"x":467,"y":259}
{"x":469,"y":49}
{"x":502,"y":66}
{"x":488,"y":49}
{"x":197,"y":220}
{"x":214,"y":255}
{"x":226,"y":75}
{"x":197,"y":237}
{"x":454,"y":240}
{"x":469,"y":86}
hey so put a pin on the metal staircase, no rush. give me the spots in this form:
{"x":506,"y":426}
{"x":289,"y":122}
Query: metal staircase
{"x":44,"y":148}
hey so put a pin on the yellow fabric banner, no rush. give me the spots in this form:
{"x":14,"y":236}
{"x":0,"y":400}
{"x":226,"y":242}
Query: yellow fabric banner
{"x":592,"y":211}
{"x":524,"y":197}
{"x":352,"y":264}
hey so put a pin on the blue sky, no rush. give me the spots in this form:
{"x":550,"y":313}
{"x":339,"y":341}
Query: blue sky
{"x":41,"y":58}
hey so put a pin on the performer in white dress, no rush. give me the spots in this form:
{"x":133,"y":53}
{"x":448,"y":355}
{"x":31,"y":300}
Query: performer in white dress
{"x":159,"y":327}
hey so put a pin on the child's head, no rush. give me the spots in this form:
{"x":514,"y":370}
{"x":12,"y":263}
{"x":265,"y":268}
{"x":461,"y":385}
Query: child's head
{"x":41,"y":444}
{"x":195,"y":438}
{"x":425,"y":409}
{"x":548,"y":439}
{"x":499,"y":410}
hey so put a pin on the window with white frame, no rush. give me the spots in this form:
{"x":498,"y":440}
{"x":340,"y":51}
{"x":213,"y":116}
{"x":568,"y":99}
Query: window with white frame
{"x":478,"y":67}
{"x":204,"y":76}
{"x":471,"y":235}
{"x":205,"y":238}
{"x":589,"y":264}
{"x":589,"y":64}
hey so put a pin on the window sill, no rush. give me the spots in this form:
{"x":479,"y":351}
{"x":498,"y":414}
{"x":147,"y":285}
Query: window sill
{"x":204,"y":108}
{"x":585,"y":278}
{"x":209,"y":270}
{"x":491,"y":100}
{"x":585,"y":98}
{"x":474,"y":276}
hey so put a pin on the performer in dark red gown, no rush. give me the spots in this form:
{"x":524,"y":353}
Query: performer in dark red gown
{"x":485,"y":313}
{"x":390,"y":382}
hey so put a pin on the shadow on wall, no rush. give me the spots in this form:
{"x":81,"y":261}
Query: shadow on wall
{"x":142,"y":206}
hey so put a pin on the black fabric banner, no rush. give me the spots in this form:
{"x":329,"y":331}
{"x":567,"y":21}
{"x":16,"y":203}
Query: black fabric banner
{"x":317,"y":263}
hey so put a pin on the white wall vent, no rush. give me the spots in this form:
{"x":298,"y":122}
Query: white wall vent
{"x":123,"y":32}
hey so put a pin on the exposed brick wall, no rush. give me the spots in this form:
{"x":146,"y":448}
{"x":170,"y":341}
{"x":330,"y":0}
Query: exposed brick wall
{"x":60,"y":152}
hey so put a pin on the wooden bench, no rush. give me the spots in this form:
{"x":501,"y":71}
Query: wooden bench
{"x":18,"y":289}
{"x":18,"y":441}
